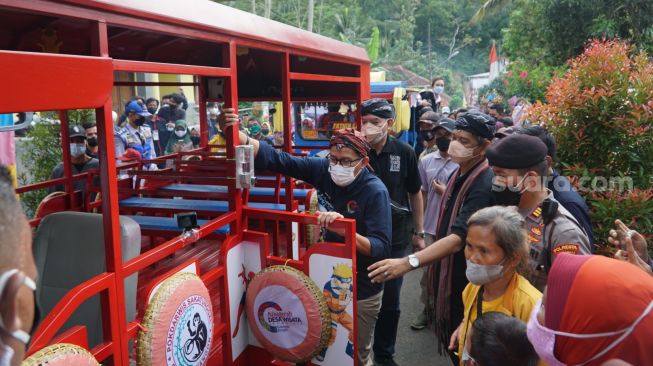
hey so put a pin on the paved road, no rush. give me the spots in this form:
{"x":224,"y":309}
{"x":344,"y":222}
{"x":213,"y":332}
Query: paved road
{"x":415,"y":347}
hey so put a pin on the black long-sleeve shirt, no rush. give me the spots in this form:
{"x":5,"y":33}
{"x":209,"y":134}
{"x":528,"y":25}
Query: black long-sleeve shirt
{"x":366,"y":200}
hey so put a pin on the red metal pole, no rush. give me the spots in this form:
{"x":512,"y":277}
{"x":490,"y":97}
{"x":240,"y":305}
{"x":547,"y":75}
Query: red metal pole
{"x":362,"y":91}
{"x":201,"y":100}
{"x":110,"y":218}
{"x":65,"y":147}
{"x":231,"y":101}
{"x":235,"y":197}
{"x":287,"y":122}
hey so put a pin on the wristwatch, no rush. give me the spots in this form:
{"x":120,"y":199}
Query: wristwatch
{"x":421,"y":234}
{"x":413,"y":261}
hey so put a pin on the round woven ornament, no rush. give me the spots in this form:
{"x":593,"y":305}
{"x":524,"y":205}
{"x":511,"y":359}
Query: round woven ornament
{"x":61,"y":354}
{"x":288,"y":314}
{"x":178,"y":324}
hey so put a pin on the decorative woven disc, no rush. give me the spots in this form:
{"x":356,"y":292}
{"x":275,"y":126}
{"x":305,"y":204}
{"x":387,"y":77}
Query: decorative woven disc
{"x":288,"y":314}
{"x":61,"y":354}
{"x":178,"y":324}
{"x":312,"y":231}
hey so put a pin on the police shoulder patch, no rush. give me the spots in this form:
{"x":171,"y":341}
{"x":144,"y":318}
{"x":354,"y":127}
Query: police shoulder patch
{"x":566,"y":248}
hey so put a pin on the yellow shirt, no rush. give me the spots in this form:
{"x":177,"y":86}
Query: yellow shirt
{"x":518,"y":301}
{"x":218,"y":140}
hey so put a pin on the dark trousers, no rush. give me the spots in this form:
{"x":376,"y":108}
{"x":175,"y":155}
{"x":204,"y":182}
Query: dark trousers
{"x":457,"y":312}
{"x":385,"y":332}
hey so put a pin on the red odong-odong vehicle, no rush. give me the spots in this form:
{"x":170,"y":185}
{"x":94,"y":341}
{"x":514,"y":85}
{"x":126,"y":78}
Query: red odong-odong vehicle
{"x":119,"y":276}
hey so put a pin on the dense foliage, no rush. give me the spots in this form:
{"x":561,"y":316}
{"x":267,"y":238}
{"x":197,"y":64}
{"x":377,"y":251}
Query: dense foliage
{"x":457,"y":48}
{"x":41,"y":152}
{"x":601,"y":112}
{"x":552,"y":31}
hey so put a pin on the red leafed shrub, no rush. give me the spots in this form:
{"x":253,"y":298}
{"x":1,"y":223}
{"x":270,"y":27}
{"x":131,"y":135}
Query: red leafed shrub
{"x":601,"y":113}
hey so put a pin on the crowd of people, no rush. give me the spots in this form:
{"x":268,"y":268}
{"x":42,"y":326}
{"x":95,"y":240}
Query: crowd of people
{"x":149,"y":129}
{"x":483,"y":215}
{"x":253,"y":127}
{"x":507,"y":241}
{"x":154,"y":129}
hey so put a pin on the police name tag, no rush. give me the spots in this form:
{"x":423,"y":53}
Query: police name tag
{"x":395,"y":163}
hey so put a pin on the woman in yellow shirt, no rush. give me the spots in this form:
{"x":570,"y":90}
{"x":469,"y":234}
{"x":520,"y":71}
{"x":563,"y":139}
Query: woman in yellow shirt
{"x":496,"y":251}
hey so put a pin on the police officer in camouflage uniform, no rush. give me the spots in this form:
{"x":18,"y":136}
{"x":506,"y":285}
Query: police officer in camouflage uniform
{"x":520,"y":170}
{"x":136,"y":134}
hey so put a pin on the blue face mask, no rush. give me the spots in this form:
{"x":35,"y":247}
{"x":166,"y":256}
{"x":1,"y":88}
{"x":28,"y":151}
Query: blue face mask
{"x":77,"y":150}
{"x":438,"y":89}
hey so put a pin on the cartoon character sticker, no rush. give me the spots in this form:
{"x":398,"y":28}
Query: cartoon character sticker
{"x":338,"y":292}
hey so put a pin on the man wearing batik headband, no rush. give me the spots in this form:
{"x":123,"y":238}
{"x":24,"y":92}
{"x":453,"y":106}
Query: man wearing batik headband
{"x":353,"y":192}
{"x":396,"y":164}
{"x":469,"y":189}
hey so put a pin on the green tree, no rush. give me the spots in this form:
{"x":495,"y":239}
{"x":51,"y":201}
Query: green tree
{"x":41,"y":153}
{"x":552,"y":31}
{"x":373,"y":45}
{"x":452,"y":33}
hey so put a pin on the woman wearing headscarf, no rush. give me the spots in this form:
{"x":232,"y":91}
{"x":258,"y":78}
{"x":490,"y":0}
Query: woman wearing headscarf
{"x":594,"y":309}
{"x":180,"y":140}
{"x":495,"y":250}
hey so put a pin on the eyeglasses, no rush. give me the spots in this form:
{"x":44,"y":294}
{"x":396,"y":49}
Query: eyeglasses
{"x":345,"y":162}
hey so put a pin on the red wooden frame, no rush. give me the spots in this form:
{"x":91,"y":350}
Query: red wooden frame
{"x":72,"y":82}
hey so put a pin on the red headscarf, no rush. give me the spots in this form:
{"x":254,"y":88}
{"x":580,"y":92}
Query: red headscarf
{"x":348,"y":137}
{"x":596,"y":294}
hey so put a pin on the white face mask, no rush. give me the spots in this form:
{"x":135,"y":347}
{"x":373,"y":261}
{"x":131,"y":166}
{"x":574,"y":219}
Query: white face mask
{"x":6,"y":354}
{"x":480,"y":274}
{"x":180,"y":133}
{"x":438,"y":89}
{"x":214,"y":111}
{"x":18,"y":334}
{"x":77,"y":150}
{"x":543,"y":338}
{"x":373,"y":133}
{"x":341,"y":175}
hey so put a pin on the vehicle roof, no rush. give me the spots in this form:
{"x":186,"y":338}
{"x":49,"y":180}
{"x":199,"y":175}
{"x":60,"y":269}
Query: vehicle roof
{"x":224,"y":19}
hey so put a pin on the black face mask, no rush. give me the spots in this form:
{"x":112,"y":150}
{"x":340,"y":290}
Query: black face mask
{"x":172,"y":106}
{"x":152,"y":110}
{"x":92,"y":142}
{"x":442,"y":143}
{"x":265,"y":131}
{"x":427,"y":135}
{"x":139,"y":122}
{"x":506,"y":196}
{"x":195,"y":140}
